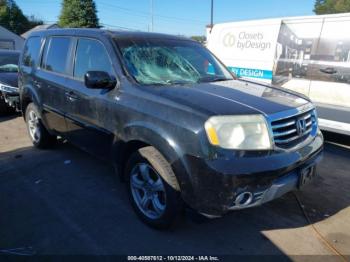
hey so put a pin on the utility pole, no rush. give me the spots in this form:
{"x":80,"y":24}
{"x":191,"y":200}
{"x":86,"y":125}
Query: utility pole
{"x":212,"y":15}
{"x":151,"y":15}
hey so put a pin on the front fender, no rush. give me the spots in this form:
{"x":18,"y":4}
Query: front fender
{"x":155,"y":136}
{"x":168,"y":146}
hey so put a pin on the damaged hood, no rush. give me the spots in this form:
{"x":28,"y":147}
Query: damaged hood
{"x":233,"y":97}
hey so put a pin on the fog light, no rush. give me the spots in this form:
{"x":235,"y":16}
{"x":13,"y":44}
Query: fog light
{"x":244,"y":199}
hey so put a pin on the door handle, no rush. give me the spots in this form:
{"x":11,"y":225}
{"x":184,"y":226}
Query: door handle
{"x":328,"y":70}
{"x":72,"y":96}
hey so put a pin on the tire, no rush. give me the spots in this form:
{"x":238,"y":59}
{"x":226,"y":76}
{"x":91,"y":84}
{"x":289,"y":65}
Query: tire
{"x":38,"y":134}
{"x":157,"y":202}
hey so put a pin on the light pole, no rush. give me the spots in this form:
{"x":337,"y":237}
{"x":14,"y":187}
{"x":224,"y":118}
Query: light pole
{"x":151,"y":15}
{"x":212,"y":15}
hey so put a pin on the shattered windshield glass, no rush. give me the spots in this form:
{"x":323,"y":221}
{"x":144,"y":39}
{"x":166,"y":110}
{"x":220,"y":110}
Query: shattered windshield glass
{"x":165,"y":62}
{"x":9,"y":63}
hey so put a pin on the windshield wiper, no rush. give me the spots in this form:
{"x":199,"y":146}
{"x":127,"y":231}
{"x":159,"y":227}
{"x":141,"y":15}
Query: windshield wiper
{"x":213,"y":79}
{"x":179,"y":82}
{"x":170,"y":82}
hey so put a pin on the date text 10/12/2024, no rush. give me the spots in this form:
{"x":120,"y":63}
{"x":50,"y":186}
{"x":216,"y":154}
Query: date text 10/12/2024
{"x":173,"y":258}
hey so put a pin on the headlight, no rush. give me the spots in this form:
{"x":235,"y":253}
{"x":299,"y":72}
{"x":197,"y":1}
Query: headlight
{"x":8,"y":89}
{"x":247,"y":132}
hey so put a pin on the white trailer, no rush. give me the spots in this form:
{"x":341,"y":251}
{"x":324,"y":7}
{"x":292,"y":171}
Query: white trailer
{"x":310,"y":55}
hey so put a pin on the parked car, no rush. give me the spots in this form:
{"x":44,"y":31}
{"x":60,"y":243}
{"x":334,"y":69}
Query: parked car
{"x":9,"y":95}
{"x":178,"y":126}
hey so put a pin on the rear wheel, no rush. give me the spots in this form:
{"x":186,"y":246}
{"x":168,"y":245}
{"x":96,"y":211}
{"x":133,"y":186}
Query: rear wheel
{"x":156,"y":202}
{"x":38,"y":134}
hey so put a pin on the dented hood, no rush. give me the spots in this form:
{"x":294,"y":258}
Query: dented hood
{"x":233,"y":97}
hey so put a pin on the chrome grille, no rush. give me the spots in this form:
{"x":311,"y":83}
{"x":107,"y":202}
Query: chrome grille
{"x":290,"y":131}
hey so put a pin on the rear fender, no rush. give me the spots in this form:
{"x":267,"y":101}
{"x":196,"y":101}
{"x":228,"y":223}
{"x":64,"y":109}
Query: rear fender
{"x":28,"y":95}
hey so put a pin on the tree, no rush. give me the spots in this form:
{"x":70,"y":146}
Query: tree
{"x":12,"y":18}
{"x":79,"y":13}
{"x":331,"y":6}
{"x":200,"y":38}
{"x":33,"y":21}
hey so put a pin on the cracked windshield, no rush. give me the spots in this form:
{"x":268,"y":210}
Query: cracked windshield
{"x":162,"y":62}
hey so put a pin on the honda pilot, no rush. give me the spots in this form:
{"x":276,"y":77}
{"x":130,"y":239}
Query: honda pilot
{"x":180,"y":129}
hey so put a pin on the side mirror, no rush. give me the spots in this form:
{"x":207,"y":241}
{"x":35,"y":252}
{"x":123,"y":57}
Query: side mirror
{"x":99,"y":80}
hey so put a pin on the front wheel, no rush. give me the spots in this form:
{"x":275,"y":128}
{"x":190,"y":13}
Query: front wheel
{"x":157,"y":202}
{"x":38,"y":134}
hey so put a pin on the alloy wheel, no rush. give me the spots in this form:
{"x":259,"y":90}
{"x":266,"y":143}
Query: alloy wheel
{"x":148,"y":190}
{"x":33,"y":126}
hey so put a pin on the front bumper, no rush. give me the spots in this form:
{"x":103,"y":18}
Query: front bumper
{"x":214,"y":185}
{"x":10,"y":95}
{"x":278,"y":188}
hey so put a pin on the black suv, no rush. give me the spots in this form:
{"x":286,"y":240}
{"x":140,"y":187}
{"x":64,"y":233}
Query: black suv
{"x":178,"y":126}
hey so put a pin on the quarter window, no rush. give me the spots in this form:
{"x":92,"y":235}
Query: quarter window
{"x":91,"y":55}
{"x":56,"y":55}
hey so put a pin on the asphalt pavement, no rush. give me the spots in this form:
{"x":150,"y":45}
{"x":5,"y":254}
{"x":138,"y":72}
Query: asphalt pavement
{"x":64,"y":201}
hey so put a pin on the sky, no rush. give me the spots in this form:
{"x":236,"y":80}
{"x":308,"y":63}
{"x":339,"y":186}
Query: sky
{"x":183,"y":17}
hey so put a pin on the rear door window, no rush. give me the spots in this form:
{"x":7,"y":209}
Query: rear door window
{"x":91,"y":55}
{"x":56,"y":56}
{"x":31,"y":52}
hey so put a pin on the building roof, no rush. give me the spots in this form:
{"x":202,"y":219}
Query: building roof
{"x":10,"y":32}
{"x":38,"y":28}
{"x":10,"y":40}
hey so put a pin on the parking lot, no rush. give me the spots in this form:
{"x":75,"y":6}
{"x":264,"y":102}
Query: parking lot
{"x":64,"y":201}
